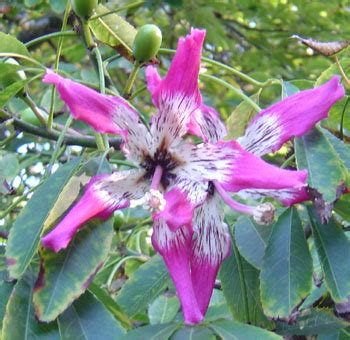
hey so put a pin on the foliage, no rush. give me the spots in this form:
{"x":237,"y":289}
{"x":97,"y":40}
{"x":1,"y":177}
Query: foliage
{"x":287,"y":279}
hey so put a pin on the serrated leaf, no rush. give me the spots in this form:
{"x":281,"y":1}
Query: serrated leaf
{"x":326,"y":48}
{"x":234,"y":330}
{"x":163,"y":309}
{"x":10,"y":44}
{"x":286,"y":271}
{"x":152,"y":332}
{"x":251,"y":240}
{"x":240,"y":118}
{"x":326,"y":171}
{"x":147,"y":282}
{"x":64,"y":276}
{"x":112,"y":29}
{"x":79,"y":321}
{"x":25,"y":233}
{"x":240,"y":284}
{"x":19,"y":321}
{"x":193,"y":333}
{"x":312,"y":322}
{"x":332,"y":247}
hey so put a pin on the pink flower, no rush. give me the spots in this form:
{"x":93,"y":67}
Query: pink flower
{"x":182,"y":183}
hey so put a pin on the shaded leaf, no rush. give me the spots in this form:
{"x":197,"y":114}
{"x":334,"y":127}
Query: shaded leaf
{"x":5,"y":292}
{"x":64,"y":276}
{"x":342,"y":207}
{"x":288,"y":89}
{"x":9,"y":165}
{"x":113,"y":30}
{"x":147,"y":282}
{"x":25,"y":233}
{"x":251,"y":240}
{"x":9,"y":44}
{"x":163,"y":309}
{"x":332,"y":247}
{"x":286,"y":272}
{"x":326,"y":48}
{"x":240,"y":284}
{"x":193,"y":333}
{"x":11,"y":90}
{"x":19,"y":321}
{"x":312,"y":322}
{"x":234,"y":330}
{"x":87,"y":318}
{"x":240,"y":117}
{"x":340,"y":334}
{"x":152,"y":332}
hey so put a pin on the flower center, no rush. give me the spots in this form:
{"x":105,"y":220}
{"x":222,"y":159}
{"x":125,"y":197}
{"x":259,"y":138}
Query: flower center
{"x":153,"y":201}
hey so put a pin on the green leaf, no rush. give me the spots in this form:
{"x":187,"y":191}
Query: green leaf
{"x":288,"y":89}
{"x":5,"y":292}
{"x":9,"y":44}
{"x":286,"y":272}
{"x":332,"y":247}
{"x":332,"y":70}
{"x":148,"y":282}
{"x":25,"y":233}
{"x":87,"y":319}
{"x":312,"y":322}
{"x":326,"y":171}
{"x":218,"y":308}
{"x":19,"y":321}
{"x":112,"y":29}
{"x":163,"y":309}
{"x":153,"y":332}
{"x":9,"y":166}
{"x":342,"y":207}
{"x":64,"y":276}
{"x":340,"y":334}
{"x":110,"y":304}
{"x":194,"y":333}
{"x":11,"y":90}
{"x":251,"y":240}
{"x":240,"y":284}
{"x":234,"y":330}
{"x":240,"y":118}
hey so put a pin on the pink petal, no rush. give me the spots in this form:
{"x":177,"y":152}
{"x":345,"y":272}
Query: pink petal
{"x":235,"y":169}
{"x":100,"y":111}
{"x":104,"y":194}
{"x":206,"y":123}
{"x":175,"y":250}
{"x":177,"y":95}
{"x":211,"y":246}
{"x":178,"y":210}
{"x":293,"y":116}
{"x":153,"y":80}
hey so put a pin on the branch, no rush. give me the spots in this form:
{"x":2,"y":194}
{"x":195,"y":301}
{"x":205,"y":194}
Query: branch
{"x":86,"y":141}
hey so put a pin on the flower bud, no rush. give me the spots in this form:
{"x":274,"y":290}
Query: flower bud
{"x":84,"y":8}
{"x":264,"y":214}
{"x":147,"y":43}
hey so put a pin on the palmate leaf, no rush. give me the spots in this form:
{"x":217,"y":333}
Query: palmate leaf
{"x":19,"y":320}
{"x":88,"y":319}
{"x":64,"y":276}
{"x":332,"y":247}
{"x":147,"y":282}
{"x":286,"y":271}
{"x":25,"y":233}
{"x":241,"y":287}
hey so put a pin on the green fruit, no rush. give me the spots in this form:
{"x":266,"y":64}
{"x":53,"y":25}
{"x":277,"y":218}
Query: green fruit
{"x":28,"y":116}
{"x":118,"y":219}
{"x":84,"y":8}
{"x":147,"y":43}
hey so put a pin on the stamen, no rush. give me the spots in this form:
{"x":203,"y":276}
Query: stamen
{"x":262,"y":214}
{"x":157,"y":176}
{"x":153,"y":201}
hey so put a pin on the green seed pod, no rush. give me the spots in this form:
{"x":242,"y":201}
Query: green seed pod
{"x":28,"y":116}
{"x":84,"y":8}
{"x":147,"y":43}
{"x":119,"y":219}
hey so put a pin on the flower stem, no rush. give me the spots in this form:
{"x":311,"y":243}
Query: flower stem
{"x":340,"y":68}
{"x":341,"y":125}
{"x":50,"y":36}
{"x":255,"y":106}
{"x":34,"y":108}
{"x":131,"y":80}
{"x":57,"y":61}
{"x":288,"y":161}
